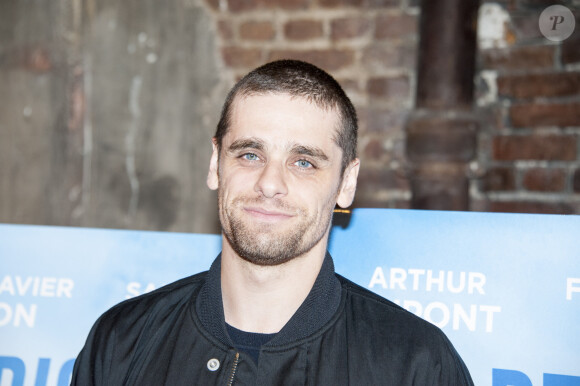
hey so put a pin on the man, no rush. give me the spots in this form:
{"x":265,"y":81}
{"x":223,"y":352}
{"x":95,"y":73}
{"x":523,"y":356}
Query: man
{"x":271,"y":310}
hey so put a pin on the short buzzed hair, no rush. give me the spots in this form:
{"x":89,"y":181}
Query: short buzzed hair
{"x":299,"y":79}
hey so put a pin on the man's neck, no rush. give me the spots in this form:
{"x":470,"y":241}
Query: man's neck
{"x":264,"y":298}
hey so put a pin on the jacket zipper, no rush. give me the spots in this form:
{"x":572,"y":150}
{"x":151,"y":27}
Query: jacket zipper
{"x":234,"y":368}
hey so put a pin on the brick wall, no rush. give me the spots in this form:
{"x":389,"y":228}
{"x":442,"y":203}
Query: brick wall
{"x":107,"y":103}
{"x":529,"y":97}
{"x":370,"y":48}
{"x":527,"y":91}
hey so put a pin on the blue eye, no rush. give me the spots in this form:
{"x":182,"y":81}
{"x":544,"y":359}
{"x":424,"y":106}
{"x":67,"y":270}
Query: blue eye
{"x":303,"y":164}
{"x":250,"y":157}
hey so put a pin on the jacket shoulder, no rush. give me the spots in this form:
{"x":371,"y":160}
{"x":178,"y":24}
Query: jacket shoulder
{"x":362,"y":295}
{"x":158,"y":302}
{"x":389,"y":331}
{"x":374,"y":310}
{"x":127,"y":329}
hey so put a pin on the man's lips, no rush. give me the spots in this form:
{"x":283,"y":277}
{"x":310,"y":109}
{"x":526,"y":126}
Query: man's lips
{"x":267,"y":214}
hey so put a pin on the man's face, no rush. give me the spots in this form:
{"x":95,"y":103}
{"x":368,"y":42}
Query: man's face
{"x":278,"y":177}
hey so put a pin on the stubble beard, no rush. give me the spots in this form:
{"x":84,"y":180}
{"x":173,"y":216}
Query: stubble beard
{"x":264,"y":245}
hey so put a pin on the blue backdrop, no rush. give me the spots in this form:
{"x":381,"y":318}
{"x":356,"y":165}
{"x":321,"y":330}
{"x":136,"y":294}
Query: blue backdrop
{"x":504,"y":288}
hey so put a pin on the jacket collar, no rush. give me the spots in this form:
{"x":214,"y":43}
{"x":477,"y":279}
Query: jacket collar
{"x":316,"y":310}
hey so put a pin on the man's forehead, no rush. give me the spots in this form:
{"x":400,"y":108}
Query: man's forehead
{"x":305,"y":114}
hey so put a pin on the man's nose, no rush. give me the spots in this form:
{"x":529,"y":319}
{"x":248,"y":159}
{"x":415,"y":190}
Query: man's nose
{"x":272,"y":180}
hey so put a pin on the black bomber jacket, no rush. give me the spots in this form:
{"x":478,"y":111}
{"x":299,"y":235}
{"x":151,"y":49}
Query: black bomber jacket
{"x":342,"y":334}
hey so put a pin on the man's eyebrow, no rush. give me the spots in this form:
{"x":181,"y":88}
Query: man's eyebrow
{"x":246,"y":143}
{"x":310,"y":151}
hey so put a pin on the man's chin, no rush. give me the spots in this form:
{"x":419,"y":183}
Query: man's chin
{"x":268,"y":251}
{"x":267,"y":261}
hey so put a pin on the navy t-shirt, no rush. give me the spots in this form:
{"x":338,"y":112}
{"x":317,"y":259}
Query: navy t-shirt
{"x":248,"y":342}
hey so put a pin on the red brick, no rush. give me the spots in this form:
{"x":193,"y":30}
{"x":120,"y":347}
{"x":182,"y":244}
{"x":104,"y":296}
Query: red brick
{"x":571,"y":46}
{"x":381,"y":120}
{"x":510,"y":5}
{"x":382,"y":148}
{"x":499,"y":179}
{"x":214,"y":4}
{"x":349,"y":85}
{"x":360,"y":3}
{"x":539,"y":5}
{"x":374,"y":179}
{"x":433,"y":137}
{"x":478,"y":205}
{"x":241,"y":57}
{"x":245,"y":5}
{"x":399,"y":204}
{"x":292,"y":4}
{"x":225,"y":29}
{"x":349,"y":27}
{"x":576,"y":181}
{"x":303,"y":29}
{"x":525,"y":26}
{"x":395,"y":26}
{"x":545,"y":180}
{"x":257,"y":30}
{"x":393,"y":88}
{"x":537,"y":115}
{"x":374,"y":149}
{"x":534,"y":147}
{"x":250,"y":5}
{"x":539,"y":85}
{"x":330,"y":60}
{"x":530,"y":207}
{"x":380,"y":56}
{"x":383,"y":3}
{"x":340,"y":3}
{"x":440,"y":191}
{"x":518,"y":58}
{"x":364,"y":200}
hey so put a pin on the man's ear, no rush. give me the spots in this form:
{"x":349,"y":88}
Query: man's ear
{"x":212,"y":175}
{"x":348,"y":185}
